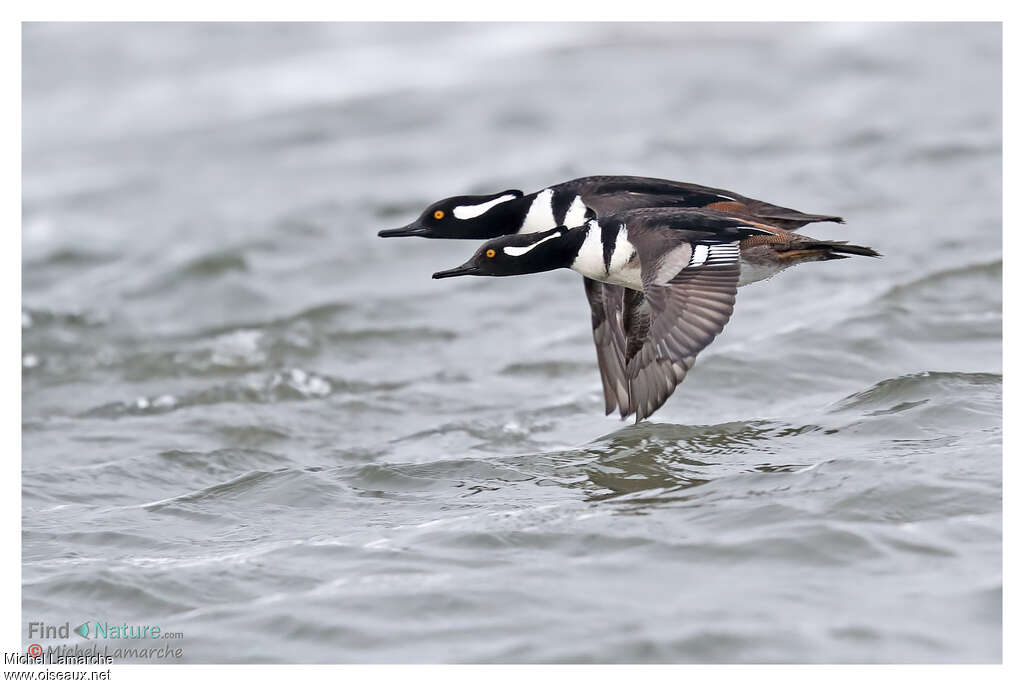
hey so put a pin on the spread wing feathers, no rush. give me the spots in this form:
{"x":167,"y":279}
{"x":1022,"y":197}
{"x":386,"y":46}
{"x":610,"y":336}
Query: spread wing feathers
{"x":606,"y":310}
{"x":685,"y":313}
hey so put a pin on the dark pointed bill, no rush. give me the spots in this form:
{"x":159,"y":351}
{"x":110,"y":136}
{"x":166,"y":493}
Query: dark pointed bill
{"x":464,"y":270}
{"x":407,"y":230}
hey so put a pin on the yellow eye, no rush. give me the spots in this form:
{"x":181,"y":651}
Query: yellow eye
{"x":490,"y":252}
{"x":439,"y":214}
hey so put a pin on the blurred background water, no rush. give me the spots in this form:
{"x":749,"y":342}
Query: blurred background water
{"x":249,"y":420}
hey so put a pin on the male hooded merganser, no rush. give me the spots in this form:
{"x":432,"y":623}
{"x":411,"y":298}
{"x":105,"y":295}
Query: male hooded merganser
{"x":678,"y":270}
{"x":573,"y":202}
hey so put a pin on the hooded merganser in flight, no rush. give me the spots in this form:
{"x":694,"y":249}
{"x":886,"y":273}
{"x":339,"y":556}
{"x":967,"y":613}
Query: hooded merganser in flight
{"x":573,"y":202}
{"x":677,"y":271}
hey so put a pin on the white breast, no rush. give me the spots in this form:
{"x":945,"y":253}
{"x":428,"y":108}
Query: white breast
{"x":577,"y":213}
{"x":624,"y":266}
{"x":622,"y":253}
{"x":628,"y":275}
{"x":590,"y":259}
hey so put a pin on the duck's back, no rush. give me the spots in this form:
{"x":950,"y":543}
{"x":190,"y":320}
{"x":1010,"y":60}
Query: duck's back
{"x":610,"y":194}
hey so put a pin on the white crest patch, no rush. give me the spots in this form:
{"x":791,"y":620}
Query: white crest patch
{"x":471,"y":211}
{"x":540,"y":217}
{"x":513,"y":251}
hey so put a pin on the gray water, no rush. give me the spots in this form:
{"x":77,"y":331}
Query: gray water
{"x":249,"y":420}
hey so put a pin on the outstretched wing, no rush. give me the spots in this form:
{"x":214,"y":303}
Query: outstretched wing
{"x":606,"y":308}
{"x":688,"y":307}
{"x":618,"y":316}
{"x":628,"y":330}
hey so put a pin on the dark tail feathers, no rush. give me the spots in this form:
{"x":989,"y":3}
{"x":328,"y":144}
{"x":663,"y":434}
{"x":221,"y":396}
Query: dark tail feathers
{"x":787,"y":219}
{"x":837,"y":250}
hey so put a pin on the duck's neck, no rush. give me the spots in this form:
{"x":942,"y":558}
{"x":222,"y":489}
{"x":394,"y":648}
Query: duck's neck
{"x":554,"y":206}
{"x":537,"y":212}
{"x":509,"y":218}
{"x":553,"y":249}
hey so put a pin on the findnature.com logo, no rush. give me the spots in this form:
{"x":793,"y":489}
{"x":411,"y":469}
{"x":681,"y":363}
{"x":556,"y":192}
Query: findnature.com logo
{"x":100,"y":630}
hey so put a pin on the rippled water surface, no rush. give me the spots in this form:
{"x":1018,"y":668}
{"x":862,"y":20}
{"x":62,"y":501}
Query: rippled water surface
{"x":249,"y":420}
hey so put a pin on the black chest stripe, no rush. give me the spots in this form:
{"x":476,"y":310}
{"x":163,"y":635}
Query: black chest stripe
{"x":609,"y":232}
